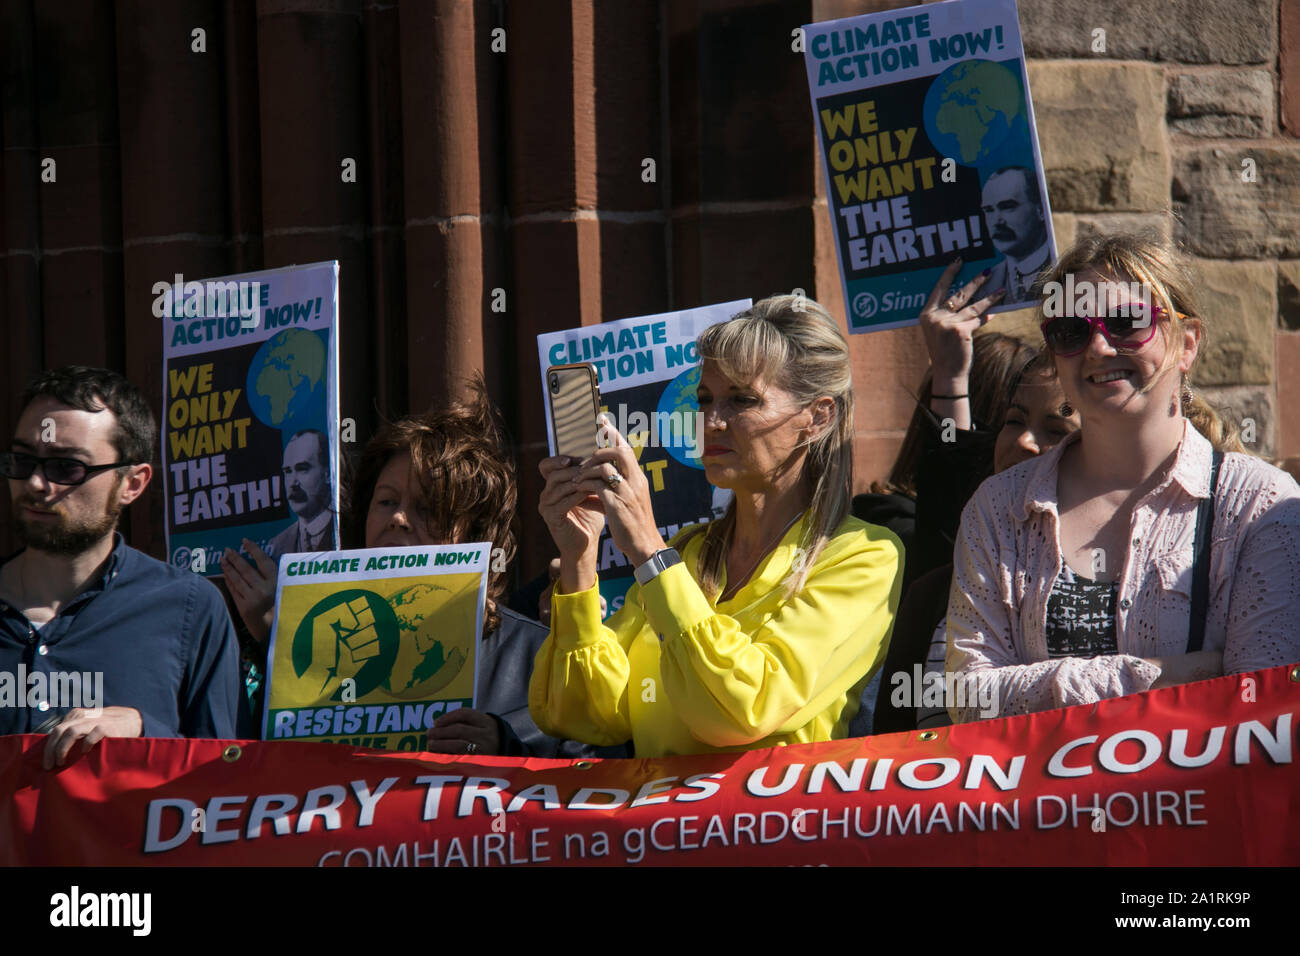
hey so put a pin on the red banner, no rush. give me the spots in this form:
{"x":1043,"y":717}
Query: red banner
{"x":1202,"y":774}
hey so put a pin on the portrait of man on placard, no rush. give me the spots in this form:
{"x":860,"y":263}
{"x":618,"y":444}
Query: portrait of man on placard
{"x":1017,"y":227}
{"x":306,"y":479}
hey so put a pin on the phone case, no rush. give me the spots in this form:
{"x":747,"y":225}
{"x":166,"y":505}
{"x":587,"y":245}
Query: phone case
{"x":575,"y":404}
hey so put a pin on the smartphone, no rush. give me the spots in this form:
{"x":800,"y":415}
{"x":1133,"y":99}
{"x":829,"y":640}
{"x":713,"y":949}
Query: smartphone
{"x":575,"y":405}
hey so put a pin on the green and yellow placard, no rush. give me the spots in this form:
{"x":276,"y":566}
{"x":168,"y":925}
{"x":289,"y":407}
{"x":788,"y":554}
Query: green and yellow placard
{"x":370,"y":647}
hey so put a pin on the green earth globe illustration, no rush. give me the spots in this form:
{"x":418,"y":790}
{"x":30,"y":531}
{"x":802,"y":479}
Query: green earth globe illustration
{"x":680,"y":428}
{"x":430,"y":653}
{"x":285,"y":379}
{"x":972,"y":109}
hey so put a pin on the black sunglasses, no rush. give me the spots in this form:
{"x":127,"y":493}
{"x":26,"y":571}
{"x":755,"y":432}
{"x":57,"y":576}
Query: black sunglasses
{"x":59,"y":471}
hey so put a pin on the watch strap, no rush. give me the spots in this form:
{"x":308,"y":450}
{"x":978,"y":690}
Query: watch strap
{"x":655,"y":564}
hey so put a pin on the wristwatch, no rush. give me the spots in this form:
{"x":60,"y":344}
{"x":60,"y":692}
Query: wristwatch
{"x":656,"y":563}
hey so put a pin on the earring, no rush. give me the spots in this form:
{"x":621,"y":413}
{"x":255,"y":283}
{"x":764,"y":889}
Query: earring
{"x":1187,"y":393}
{"x":1066,"y":409}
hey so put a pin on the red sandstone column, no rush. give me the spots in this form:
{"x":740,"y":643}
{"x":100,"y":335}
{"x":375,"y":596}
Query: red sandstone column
{"x":386,"y":247}
{"x":173,"y":188}
{"x":447,"y":300}
{"x":554,"y":238}
{"x":20,"y":296}
{"x":81,"y":233}
{"x":312,"y":114}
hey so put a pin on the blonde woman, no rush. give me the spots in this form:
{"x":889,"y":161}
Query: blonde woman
{"x":759,"y":629}
{"x":1143,"y":551}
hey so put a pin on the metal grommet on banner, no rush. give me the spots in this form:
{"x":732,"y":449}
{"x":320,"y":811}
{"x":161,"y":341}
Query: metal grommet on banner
{"x":232,"y":753}
{"x":584,"y":765}
{"x":928,"y":735}
{"x":1295,"y":674}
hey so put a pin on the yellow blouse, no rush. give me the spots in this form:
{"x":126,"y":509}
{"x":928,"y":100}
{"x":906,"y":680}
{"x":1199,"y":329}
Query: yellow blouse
{"x":677,"y":674}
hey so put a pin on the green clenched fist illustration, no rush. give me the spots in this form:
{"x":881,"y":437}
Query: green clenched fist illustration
{"x":353,"y":633}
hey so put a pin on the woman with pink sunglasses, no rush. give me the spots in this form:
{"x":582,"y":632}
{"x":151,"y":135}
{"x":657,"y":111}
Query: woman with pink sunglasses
{"x":1147,"y":549}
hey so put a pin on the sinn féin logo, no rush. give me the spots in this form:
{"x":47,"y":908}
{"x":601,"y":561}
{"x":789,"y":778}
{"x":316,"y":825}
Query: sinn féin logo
{"x":865,"y":305}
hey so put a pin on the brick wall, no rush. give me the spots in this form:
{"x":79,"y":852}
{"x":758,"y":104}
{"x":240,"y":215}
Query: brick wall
{"x":1186,"y":121}
{"x":525,"y":171}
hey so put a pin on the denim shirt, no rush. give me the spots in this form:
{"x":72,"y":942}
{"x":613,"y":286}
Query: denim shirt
{"x":1008,"y":558}
{"x":144,"y":635}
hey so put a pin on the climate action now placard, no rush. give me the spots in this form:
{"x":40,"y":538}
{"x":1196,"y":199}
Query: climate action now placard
{"x":930,"y":153}
{"x":370,"y":647}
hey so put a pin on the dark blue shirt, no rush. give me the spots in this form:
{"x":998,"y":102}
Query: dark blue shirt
{"x":160,"y":637}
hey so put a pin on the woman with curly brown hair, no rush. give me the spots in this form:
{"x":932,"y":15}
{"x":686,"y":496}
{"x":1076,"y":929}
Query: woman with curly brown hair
{"x":441,"y":478}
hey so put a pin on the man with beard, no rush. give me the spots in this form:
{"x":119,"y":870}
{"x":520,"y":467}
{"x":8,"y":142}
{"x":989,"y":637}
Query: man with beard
{"x":307,"y":485}
{"x":1017,"y":228}
{"x":79,"y":601}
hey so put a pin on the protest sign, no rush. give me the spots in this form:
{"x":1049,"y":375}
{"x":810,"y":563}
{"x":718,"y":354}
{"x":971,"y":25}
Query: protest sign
{"x":370,"y":647}
{"x":930,"y":152}
{"x":250,"y":424}
{"x":648,"y":371}
{"x":1199,"y":774}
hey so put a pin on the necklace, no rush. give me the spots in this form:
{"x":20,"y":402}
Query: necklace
{"x":739,"y":582}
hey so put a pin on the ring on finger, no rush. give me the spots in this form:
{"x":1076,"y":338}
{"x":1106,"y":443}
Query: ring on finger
{"x":615,"y":479}
{"x":471,"y":747}
{"x":952,"y":304}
